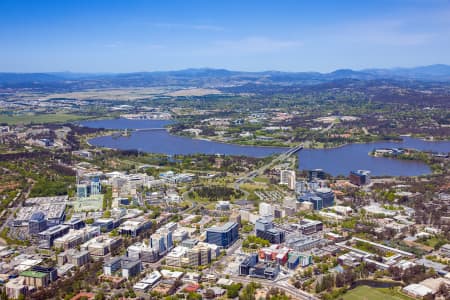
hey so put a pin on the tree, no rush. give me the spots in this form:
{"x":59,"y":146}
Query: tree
{"x":195,"y":296}
{"x":233,"y":290}
{"x":340,"y":280}
{"x":100,"y":296}
{"x":209,"y":294}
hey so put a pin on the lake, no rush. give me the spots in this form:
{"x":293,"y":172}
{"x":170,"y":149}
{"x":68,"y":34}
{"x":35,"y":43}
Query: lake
{"x":336,"y":161}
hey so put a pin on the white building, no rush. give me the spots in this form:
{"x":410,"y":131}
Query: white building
{"x":287,"y":177}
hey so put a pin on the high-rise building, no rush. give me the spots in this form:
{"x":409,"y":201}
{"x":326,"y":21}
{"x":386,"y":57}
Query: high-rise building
{"x":162,"y":240}
{"x":96,"y":187}
{"x":82,"y":190}
{"x":223,"y":236}
{"x":89,"y":187}
{"x":287,"y":177}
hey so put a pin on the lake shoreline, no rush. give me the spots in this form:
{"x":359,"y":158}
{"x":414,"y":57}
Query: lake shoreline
{"x":339,"y":160}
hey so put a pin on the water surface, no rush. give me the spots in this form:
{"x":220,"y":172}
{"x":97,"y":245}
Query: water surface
{"x":336,"y":161}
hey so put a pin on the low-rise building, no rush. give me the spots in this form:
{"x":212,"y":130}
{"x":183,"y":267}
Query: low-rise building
{"x":223,"y":236}
{"x":135,"y":226}
{"x":445,"y":250}
{"x":308,"y":226}
{"x":301,"y":243}
{"x":74,"y":257}
{"x":101,"y":246}
{"x":76,"y":237}
{"x":36,"y":279}
{"x":16,"y":287}
{"x":131,"y":268}
{"x":48,"y":236}
{"x":112,"y":265}
{"x":144,"y":252}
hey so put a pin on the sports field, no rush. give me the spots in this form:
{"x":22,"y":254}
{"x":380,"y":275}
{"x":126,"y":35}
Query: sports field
{"x":364,"y":292}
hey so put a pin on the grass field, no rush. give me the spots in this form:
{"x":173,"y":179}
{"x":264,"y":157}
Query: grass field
{"x":364,"y":292}
{"x":39,"y":118}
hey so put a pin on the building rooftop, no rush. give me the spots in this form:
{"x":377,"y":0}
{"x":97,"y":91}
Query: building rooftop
{"x":128,"y":264}
{"x":54,"y":229}
{"x":417,"y":289}
{"x":224,"y":228}
{"x":177,"y":251}
{"x":33,"y":274}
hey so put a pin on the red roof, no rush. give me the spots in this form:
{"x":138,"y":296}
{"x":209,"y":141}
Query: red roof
{"x":192,"y":287}
{"x":84,"y":294}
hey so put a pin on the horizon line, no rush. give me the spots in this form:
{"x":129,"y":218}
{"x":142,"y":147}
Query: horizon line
{"x":223,"y":69}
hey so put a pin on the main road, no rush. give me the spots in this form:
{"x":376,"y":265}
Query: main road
{"x":286,"y":287}
{"x":263,"y":168}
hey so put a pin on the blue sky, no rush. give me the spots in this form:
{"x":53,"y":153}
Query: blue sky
{"x":133,"y":35}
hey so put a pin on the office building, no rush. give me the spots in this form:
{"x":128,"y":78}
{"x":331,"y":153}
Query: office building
{"x":301,"y":244}
{"x":264,"y":229}
{"x":298,"y":259}
{"x":89,"y":187}
{"x":143,"y":251}
{"x":327,"y":196}
{"x":76,"y":237}
{"x":48,"y":236}
{"x":223,"y":236}
{"x":96,"y":187}
{"x":131,"y":268}
{"x":37,"y":223}
{"x":49,"y":270}
{"x":162,"y":240}
{"x":316,"y":201}
{"x":75,"y":223}
{"x":36,"y":279}
{"x":82,"y":190}
{"x":15,"y":287}
{"x":189,"y":243}
{"x":180,"y":256}
{"x":175,"y":257}
{"x":74,"y":257}
{"x":252,"y":267}
{"x":359,"y":177}
{"x":308,"y":226}
{"x":287,"y":177}
{"x":248,"y":262}
{"x":316,"y":174}
{"x":134,"y":226}
{"x":112,"y":265}
{"x":105,"y":224}
{"x":101,"y":246}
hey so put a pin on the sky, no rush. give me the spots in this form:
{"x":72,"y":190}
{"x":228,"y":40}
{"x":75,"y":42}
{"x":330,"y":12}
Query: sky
{"x":248,"y":35}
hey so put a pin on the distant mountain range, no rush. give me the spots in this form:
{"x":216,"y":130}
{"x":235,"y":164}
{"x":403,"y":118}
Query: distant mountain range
{"x":206,"y":77}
